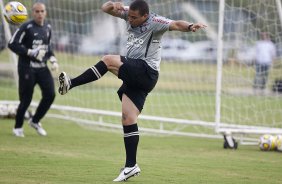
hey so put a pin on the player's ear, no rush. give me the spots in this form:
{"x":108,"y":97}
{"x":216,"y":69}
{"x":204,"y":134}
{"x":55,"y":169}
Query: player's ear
{"x":146,"y":15}
{"x":45,"y":12}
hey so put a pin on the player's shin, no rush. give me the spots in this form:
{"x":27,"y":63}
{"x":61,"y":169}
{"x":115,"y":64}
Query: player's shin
{"x":131,"y":139}
{"x":93,"y":73}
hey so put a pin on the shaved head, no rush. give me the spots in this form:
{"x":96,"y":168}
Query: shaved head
{"x":37,"y":4}
{"x":39,"y":13}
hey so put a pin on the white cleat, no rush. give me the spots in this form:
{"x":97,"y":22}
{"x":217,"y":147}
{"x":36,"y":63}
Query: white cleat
{"x":127,"y":173}
{"x":65,"y":83}
{"x":18,"y":132}
{"x":38,"y":128}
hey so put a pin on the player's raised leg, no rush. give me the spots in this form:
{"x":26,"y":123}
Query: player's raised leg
{"x":108,"y":63}
{"x":91,"y":74}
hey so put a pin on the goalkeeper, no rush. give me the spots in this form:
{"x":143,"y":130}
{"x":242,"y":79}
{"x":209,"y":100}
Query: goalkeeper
{"x":31,"y":42}
{"x":139,"y":69}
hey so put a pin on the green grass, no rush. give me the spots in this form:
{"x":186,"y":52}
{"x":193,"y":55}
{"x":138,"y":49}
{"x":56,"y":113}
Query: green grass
{"x":72,"y":153}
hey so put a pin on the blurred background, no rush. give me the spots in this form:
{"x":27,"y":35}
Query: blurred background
{"x":81,"y":27}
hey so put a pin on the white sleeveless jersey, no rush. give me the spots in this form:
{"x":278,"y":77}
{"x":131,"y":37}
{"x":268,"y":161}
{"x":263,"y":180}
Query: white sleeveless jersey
{"x":144,"y":42}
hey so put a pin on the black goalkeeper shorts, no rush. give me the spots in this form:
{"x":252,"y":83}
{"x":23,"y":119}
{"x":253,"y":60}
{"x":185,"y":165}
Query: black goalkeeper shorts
{"x":138,"y":80}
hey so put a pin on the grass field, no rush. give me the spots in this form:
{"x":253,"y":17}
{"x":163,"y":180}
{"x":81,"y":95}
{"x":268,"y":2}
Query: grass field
{"x":72,"y":153}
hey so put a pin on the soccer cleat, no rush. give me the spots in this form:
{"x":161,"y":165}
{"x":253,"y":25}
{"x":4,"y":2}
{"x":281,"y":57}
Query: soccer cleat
{"x":18,"y":132}
{"x":128,"y":172}
{"x":64,"y":81}
{"x":38,"y":128}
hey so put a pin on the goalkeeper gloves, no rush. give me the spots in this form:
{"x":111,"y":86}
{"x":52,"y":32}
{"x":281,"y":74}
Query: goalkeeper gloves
{"x":54,"y":62}
{"x":38,"y":53}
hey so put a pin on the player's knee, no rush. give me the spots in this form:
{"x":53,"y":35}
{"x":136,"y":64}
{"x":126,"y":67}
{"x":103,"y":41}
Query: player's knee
{"x":49,"y":96}
{"x":111,"y":60}
{"x":107,"y":59}
{"x":128,"y":119}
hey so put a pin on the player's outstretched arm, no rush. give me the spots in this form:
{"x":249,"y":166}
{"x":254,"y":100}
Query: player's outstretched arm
{"x":184,"y":26}
{"x":113,"y":8}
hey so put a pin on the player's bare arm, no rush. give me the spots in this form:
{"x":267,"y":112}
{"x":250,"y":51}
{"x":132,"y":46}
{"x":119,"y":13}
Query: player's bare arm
{"x":184,"y":26}
{"x":113,"y":8}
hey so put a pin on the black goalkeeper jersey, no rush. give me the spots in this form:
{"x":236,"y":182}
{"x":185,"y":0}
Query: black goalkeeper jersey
{"x":29,"y":36}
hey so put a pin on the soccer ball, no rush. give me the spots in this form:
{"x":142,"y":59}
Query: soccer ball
{"x":15,"y":13}
{"x":267,"y":142}
{"x":3,"y":110}
{"x":279,"y":142}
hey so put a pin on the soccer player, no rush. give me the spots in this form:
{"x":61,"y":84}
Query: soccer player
{"x":139,"y":69}
{"x":265,"y":54}
{"x":31,"y":42}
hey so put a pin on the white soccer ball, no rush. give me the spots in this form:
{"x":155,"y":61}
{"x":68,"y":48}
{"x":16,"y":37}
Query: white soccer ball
{"x":267,"y":142}
{"x":279,"y":142}
{"x":3,"y":110}
{"x":12,"y":109}
{"x":15,"y":13}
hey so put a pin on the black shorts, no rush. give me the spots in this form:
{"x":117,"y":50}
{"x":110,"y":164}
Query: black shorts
{"x":138,"y":80}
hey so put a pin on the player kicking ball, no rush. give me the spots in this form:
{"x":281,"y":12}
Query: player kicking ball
{"x":139,"y":69}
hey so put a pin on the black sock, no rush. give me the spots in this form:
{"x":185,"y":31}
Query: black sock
{"x":93,"y":73}
{"x":131,"y":139}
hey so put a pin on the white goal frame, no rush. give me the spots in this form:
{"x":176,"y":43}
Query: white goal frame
{"x":219,"y":127}
{"x":241,"y":130}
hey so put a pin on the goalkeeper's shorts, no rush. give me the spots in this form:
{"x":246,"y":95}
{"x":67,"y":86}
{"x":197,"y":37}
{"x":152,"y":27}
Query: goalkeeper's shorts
{"x":138,"y":80}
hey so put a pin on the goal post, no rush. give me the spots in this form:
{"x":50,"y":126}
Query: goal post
{"x":263,"y":16}
{"x":7,"y":35}
{"x":279,"y":9}
{"x":219,"y":65}
{"x":206,"y":78}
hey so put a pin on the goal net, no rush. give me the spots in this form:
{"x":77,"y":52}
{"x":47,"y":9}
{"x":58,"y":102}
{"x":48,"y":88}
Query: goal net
{"x":203,"y":89}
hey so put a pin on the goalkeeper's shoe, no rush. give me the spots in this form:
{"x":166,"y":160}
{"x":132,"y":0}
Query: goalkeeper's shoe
{"x":65,"y":83}
{"x":38,"y":127}
{"x":18,"y":132}
{"x":128,"y":172}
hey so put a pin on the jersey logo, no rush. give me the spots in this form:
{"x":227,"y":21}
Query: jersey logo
{"x":159,"y":20}
{"x":144,"y":27}
{"x":134,"y":41}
